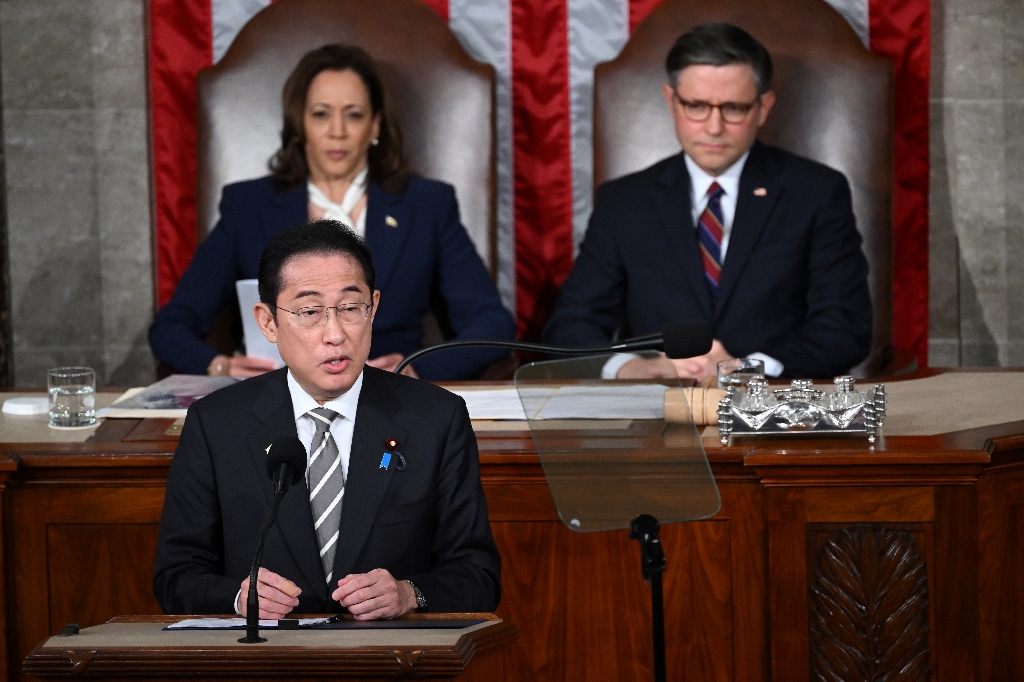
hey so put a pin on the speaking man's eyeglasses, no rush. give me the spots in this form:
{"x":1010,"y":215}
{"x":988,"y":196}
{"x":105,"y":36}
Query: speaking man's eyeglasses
{"x":699,"y":111}
{"x":316,"y":315}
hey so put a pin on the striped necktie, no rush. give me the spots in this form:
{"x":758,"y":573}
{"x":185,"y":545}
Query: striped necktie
{"x":709,"y":237}
{"x":326,"y":485}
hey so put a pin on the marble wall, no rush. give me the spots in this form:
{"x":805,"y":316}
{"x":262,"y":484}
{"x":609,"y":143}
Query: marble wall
{"x":78,"y":197}
{"x":78,"y":208}
{"x":977,"y":183}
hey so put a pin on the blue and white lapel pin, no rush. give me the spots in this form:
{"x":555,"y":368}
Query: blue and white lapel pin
{"x":391,"y":450}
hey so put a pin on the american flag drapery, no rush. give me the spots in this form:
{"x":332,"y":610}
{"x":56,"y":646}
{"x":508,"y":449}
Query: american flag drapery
{"x":544,"y":52}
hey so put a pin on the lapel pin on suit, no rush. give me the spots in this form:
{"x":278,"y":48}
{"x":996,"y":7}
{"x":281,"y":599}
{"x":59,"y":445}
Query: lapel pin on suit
{"x":390,"y":221}
{"x":760,"y":192}
{"x":391,"y":450}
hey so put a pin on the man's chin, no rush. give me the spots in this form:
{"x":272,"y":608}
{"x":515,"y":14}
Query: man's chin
{"x":333,"y":382}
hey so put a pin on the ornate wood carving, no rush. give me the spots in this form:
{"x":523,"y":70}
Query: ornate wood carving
{"x":869,"y":607}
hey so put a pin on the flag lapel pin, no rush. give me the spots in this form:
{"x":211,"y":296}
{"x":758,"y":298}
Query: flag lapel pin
{"x":390,"y":221}
{"x":760,"y":192}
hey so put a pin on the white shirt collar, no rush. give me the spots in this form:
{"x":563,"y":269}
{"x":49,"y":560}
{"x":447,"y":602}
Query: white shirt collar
{"x":728,"y":180}
{"x":345,"y":404}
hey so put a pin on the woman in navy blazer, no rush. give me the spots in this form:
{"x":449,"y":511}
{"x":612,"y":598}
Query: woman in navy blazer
{"x":341,"y":157}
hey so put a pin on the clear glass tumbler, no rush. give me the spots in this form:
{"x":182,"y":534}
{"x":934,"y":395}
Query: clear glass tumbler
{"x":72,"y":396}
{"x":739,"y":371}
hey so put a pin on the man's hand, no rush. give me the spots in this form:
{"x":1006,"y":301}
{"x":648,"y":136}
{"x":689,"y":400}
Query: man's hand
{"x":373,"y":595}
{"x":647,"y":368}
{"x":702,"y":367}
{"x":278,"y":596}
{"x":240,"y":366}
{"x":390,"y":361}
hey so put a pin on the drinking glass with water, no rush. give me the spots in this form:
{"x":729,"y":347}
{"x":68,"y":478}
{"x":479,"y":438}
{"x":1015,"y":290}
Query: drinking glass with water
{"x":72,"y":396}
{"x":739,"y":371}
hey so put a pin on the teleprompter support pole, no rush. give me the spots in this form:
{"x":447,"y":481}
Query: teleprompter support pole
{"x":644,"y":529}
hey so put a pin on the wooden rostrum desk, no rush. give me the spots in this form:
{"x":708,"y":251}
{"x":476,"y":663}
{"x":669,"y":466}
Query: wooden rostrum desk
{"x":825,"y":554}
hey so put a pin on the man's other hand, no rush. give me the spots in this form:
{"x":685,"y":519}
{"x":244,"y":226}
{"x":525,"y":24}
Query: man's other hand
{"x":240,"y":366}
{"x":389,"y":362}
{"x":373,"y":595}
{"x":278,"y":596}
{"x":702,"y":367}
{"x":647,"y":368}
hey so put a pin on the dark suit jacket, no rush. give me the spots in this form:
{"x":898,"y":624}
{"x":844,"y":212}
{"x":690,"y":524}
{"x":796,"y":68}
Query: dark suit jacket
{"x":427,"y":524}
{"x":427,"y":256}
{"x":793,"y":285}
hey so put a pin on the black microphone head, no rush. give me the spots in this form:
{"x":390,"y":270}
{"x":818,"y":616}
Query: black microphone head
{"x":287,"y":450}
{"x":687,"y":339}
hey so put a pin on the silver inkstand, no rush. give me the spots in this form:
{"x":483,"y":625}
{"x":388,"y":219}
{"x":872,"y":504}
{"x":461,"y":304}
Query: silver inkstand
{"x":801,"y":409}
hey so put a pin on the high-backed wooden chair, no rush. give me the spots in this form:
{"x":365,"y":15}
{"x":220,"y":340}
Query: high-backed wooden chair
{"x":835,"y":105}
{"x":442,"y":98}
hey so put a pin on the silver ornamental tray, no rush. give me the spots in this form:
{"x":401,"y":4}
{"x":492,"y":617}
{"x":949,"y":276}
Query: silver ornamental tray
{"x":801,"y":409}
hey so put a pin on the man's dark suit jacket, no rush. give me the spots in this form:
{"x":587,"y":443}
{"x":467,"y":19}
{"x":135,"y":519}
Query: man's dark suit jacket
{"x":424,"y":257}
{"x":427,"y":524}
{"x":793,"y":285}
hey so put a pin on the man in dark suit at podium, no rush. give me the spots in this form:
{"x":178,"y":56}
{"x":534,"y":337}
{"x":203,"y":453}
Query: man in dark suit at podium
{"x":391,"y":516}
{"x":759,"y":242}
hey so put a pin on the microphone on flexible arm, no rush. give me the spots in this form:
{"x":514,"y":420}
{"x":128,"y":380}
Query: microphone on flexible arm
{"x":286,"y":463}
{"x":677,"y":339}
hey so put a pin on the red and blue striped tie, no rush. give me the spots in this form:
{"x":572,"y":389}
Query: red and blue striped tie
{"x":709,"y":237}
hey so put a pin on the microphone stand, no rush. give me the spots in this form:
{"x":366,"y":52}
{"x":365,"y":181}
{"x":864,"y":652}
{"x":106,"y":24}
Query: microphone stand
{"x":252,"y":615}
{"x":649,"y":342}
{"x":644,"y":529}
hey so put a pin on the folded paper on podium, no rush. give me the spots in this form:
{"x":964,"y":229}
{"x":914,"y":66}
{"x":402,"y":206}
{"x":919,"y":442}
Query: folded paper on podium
{"x":609,"y":453}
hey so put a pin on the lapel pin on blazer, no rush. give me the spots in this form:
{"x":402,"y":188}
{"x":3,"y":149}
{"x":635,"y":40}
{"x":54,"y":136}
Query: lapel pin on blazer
{"x":760,"y":192}
{"x":390,"y":222}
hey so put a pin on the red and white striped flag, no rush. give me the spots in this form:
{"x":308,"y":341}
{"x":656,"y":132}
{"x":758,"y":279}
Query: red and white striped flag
{"x":544,"y":53}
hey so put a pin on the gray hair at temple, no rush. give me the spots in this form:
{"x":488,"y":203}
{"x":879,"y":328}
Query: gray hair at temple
{"x":719,"y":45}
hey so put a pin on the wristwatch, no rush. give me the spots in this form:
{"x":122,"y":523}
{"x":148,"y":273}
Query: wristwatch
{"x":421,"y":601}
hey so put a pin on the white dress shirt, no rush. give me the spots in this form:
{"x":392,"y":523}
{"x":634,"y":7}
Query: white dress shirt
{"x":729,"y":181}
{"x":700,"y":181}
{"x":341,"y":428}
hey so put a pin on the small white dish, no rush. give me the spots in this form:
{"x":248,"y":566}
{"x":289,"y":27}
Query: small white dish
{"x":26,"y":406}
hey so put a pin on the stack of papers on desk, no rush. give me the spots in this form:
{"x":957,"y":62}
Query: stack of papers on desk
{"x":614,"y":400}
{"x":168,"y":397}
{"x":235,"y":623}
{"x":492,"y":403}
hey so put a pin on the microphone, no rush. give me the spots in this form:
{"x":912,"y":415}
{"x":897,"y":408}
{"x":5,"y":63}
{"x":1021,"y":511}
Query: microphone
{"x":286,"y":463}
{"x":678,"y":339}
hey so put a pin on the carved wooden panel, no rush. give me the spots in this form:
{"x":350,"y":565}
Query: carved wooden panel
{"x":868,"y":606}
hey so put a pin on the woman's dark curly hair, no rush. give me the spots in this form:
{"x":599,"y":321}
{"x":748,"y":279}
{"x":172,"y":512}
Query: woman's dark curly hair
{"x":387,"y":166}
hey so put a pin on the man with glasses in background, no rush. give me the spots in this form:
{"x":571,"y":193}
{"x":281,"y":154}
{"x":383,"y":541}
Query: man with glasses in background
{"x":391,"y":517}
{"x":757,"y":241}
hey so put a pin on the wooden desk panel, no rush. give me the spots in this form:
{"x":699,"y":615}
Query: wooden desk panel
{"x":80,"y":528}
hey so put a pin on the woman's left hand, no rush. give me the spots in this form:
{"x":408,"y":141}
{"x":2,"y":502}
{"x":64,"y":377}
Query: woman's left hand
{"x":390,"y":361}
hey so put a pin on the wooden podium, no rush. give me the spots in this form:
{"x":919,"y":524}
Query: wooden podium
{"x":139,"y":647}
{"x":794,"y":573}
